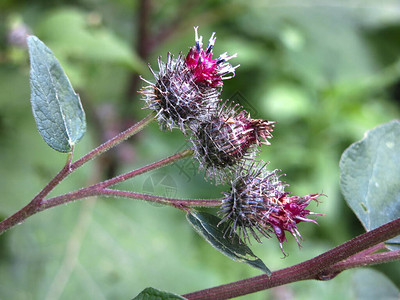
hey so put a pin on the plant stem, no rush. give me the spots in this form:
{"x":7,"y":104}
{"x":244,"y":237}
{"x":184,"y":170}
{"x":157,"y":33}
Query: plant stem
{"x":55,"y":181}
{"x":98,"y":189}
{"x":368,"y":260}
{"x":37,"y":204}
{"x":33,"y":206}
{"x":377,"y":247}
{"x":316,"y":268}
{"x":92,"y":191}
{"x":178,"y":203}
{"x":101,"y":188}
{"x":150,"y":167}
{"x":114,"y":141}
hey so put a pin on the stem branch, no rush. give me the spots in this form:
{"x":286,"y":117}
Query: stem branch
{"x":95,"y":191}
{"x":101,"y":188}
{"x":162,"y":163}
{"x":38,"y":204}
{"x":310,"y":269}
{"x":33,"y":207}
{"x":114,"y":141}
{"x":369,"y":260}
{"x":179,"y":203}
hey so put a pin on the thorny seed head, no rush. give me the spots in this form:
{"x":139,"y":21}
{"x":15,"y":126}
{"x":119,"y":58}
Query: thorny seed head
{"x":176,"y":98}
{"x":228,"y":138}
{"x":187,"y":90}
{"x":205,"y":70}
{"x":257,"y":204}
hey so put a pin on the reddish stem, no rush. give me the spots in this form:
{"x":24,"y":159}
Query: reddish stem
{"x":37,"y":204}
{"x":369,"y":260}
{"x":150,"y":167}
{"x":311,"y":269}
{"x":34,"y":206}
{"x":113,"y":142}
{"x":179,"y":203}
{"x":100,"y":188}
{"x":95,"y":191}
{"x":55,"y":181}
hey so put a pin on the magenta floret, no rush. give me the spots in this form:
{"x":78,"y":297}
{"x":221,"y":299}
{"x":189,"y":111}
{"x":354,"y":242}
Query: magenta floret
{"x":206,"y":70}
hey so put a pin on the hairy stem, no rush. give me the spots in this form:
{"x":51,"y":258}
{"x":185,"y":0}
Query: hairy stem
{"x":92,"y":191}
{"x":33,"y":206}
{"x":178,"y":203}
{"x":114,"y":141}
{"x":162,"y":163}
{"x":100,"y":188}
{"x":316,"y":268}
{"x":37,"y":204}
{"x":369,"y":260}
{"x":55,"y":181}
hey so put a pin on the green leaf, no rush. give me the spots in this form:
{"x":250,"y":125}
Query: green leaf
{"x":209,"y":227}
{"x":369,"y":284}
{"x":154,"y":294}
{"x":370,"y":177}
{"x":56,"y":107}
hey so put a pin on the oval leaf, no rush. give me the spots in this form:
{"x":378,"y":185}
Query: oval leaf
{"x":370,"y":177}
{"x":154,"y":294}
{"x":56,"y":107}
{"x":233,"y":247}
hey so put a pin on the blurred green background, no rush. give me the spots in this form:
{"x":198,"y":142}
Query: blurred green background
{"x":326,"y":72}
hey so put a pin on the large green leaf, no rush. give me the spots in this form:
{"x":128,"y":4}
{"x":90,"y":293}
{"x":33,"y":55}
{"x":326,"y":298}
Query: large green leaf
{"x":369,"y":284}
{"x":153,"y":294}
{"x":56,"y":107}
{"x":209,"y":227}
{"x":370,"y":177}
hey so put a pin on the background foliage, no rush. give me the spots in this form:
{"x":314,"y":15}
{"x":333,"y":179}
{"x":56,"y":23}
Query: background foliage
{"x":326,"y":72}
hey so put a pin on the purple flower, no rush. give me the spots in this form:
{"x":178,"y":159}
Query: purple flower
{"x":205,"y":70}
{"x":257,"y":204}
{"x":284,"y":213}
{"x":176,"y":98}
{"x":187,"y":90}
{"x":228,"y":138}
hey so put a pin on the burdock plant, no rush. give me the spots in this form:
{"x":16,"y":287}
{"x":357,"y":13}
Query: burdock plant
{"x":186,"y":94}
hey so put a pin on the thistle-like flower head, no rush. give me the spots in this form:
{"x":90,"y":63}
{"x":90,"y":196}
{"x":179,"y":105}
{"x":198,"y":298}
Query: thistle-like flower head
{"x":257,"y":203}
{"x":227,"y":138}
{"x":176,"y":98}
{"x":206,"y":70}
{"x":284,"y":213}
{"x":187,"y":90}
